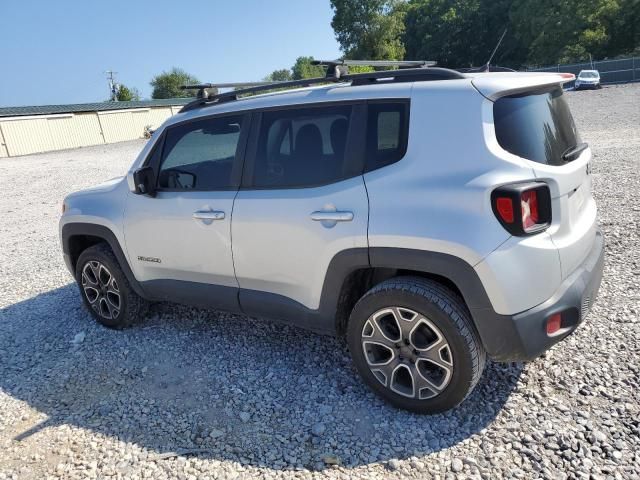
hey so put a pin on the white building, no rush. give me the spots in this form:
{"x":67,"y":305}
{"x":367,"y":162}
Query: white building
{"x":25,"y":130}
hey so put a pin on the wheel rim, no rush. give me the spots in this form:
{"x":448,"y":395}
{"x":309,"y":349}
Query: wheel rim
{"x":407,"y":353}
{"x":101,"y":290}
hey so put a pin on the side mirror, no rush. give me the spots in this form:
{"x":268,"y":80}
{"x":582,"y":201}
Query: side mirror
{"x":144,"y":181}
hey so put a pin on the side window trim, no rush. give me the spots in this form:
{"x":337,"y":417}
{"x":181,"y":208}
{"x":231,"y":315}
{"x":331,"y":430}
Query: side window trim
{"x":238,"y":162}
{"x":154,"y":157}
{"x":404,"y":132}
{"x":354,"y":150}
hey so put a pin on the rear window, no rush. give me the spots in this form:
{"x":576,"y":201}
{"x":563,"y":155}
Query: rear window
{"x":537,"y":127}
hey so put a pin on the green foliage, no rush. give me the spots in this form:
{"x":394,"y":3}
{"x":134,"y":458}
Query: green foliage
{"x":369,"y":29}
{"x":460,"y":33}
{"x":281,"y":75}
{"x":167,"y":84}
{"x":562,"y":31}
{"x":126,"y":94}
{"x":304,"y":69}
{"x":463,"y":33}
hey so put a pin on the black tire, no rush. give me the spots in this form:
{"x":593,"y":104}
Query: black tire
{"x":448,"y":313}
{"x":131,"y":306}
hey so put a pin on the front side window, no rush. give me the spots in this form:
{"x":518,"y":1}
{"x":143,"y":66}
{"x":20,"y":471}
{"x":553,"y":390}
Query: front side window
{"x":199,"y":155}
{"x":387,"y":132}
{"x":302,"y":147}
{"x":536,"y":126}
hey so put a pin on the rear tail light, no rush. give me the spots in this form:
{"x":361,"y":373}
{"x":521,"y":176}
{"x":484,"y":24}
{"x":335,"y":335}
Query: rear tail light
{"x":523,"y":208}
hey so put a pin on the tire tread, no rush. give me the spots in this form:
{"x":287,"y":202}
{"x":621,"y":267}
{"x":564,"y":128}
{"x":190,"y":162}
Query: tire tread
{"x":450,"y":304}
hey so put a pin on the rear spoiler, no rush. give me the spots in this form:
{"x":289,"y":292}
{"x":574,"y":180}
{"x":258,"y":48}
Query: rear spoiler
{"x":494,"y":86}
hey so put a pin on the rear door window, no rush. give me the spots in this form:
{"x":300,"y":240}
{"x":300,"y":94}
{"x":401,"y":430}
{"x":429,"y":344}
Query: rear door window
{"x":302,"y":147}
{"x":536,"y":126}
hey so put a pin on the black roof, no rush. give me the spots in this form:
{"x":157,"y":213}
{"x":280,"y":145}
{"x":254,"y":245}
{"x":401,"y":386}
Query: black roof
{"x":89,"y":107}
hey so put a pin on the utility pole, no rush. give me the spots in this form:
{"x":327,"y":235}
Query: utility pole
{"x":113,"y":86}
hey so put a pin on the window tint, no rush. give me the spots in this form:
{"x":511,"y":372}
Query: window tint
{"x":537,"y":127}
{"x":302,"y":147}
{"x":387,"y":132}
{"x":199,"y":155}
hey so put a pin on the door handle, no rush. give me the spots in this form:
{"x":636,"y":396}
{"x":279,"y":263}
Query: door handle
{"x":208,"y":215}
{"x":337,"y":216}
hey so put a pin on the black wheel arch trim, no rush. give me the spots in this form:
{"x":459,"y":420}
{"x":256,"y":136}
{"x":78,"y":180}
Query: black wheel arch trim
{"x":71,"y":230}
{"x":496,"y":331}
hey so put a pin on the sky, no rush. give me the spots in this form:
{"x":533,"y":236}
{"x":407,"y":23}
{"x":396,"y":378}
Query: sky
{"x":57,"y":51}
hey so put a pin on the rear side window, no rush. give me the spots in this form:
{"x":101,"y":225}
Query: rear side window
{"x":302,"y":147}
{"x":537,"y":127}
{"x":387,"y":131}
{"x":199,"y":155}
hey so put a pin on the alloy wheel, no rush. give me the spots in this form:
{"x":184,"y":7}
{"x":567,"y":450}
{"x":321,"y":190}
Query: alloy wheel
{"x":407,"y":353}
{"x":101,"y":290}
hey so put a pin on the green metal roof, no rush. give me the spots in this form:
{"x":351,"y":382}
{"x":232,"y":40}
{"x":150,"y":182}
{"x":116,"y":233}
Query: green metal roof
{"x":89,"y":107}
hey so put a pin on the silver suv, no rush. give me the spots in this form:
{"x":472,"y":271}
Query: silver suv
{"x":430,"y":217}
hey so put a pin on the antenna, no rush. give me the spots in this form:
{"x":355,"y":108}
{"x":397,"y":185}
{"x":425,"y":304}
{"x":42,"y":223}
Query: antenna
{"x":485,"y":68}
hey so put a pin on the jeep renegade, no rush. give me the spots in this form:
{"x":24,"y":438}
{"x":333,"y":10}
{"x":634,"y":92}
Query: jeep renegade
{"x":430,"y":217}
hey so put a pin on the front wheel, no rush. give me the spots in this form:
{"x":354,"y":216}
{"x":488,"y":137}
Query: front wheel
{"x":413,"y":343}
{"x":105,"y":290}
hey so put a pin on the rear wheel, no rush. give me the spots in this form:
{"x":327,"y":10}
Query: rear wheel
{"x":105,"y":290}
{"x":413,"y":343}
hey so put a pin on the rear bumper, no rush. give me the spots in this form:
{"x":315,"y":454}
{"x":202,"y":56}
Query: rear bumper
{"x":523,"y":336}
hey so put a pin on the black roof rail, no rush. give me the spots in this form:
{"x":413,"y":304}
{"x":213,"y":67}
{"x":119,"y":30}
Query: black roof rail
{"x":206,"y":89}
{"x":384,"y":76}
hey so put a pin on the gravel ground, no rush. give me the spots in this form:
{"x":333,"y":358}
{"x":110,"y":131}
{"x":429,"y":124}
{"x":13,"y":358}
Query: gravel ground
{"x":198,"y":394}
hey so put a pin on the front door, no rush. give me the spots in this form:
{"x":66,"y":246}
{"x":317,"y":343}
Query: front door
{"x":179,"y":241}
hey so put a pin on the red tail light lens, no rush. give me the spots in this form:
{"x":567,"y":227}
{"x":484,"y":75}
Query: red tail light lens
{"x":504,"y":205}
{"x":523,"y":208}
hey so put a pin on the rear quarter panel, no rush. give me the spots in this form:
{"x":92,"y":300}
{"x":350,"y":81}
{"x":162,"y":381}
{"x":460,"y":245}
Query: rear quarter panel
{"x":437,"y":197}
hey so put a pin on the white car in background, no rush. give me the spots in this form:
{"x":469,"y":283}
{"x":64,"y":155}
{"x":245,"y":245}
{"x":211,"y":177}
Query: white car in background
{"x":588,"y":79}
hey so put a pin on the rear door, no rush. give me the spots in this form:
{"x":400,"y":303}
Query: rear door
{"x":302,"y":201}
{"x":538,"y":126}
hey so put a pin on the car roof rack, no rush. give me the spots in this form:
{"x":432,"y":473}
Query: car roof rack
{"x":338,"y":68}
{"x":206,"y":89}
{"x":407,"y":72}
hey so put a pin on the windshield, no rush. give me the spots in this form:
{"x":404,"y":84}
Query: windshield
{"x":536,"y":126}
{"x":588,"y":75}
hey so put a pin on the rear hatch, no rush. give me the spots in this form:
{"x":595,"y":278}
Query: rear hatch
{"x":532,"y":121}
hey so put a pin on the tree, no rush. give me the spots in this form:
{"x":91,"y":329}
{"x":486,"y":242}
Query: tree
{"x":126,"y":94}
{"x":167,"y":84}
{"x":461,"y":33}
{"x":304,"y":69}
{"x":281,"y":75}
{"x":563,"y":31}
{"x":369,"y":29}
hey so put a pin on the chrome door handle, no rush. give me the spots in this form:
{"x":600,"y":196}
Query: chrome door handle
{"x":337,"y":216}
{"x":208,"y":215}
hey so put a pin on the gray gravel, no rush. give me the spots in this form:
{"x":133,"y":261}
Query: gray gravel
{"x":199,"y":394}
